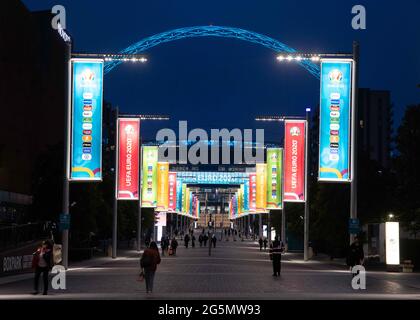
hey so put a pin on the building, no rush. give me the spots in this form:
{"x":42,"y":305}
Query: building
{"x":32,"y":99}
{"x":375,"y":125}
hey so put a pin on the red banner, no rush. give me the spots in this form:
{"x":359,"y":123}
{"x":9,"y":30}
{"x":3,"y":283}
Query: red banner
{"x":172,"y":191}
{"x":294,"y":161}
{"x":128,"y":159}
{"x":252,"y":192}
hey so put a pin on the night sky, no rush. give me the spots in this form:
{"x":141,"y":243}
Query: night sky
{"x":225,"y":83}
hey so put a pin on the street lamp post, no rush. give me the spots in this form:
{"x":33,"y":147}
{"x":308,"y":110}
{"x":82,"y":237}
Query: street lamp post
{"x":67,"y":132}
{"x":307,"y":176}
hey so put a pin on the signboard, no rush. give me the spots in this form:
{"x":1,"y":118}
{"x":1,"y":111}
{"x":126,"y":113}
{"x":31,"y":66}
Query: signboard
{"x":354,"y":226}
{"x":128,"y":159}
{"x":163,"y":186}
{"x":246,"y":195}
{"x":64,"y":222}
{"x":149,"y":189}
{"x":294,"y":160}
{"x":178,"y":195}
{"x":392,"y":243}
{"x":86,"y":126}
{"x":274,"y":178}
{"x":252,"y":192}
{"x":172,"y":191}
{"x":335,"y":115}
{"x":261,"y":172}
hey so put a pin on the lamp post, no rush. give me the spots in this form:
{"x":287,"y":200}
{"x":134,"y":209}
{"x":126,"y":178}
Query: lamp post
{"x":68,"y":120}
{"x":283,"y":216}
{"x":115,"y":209}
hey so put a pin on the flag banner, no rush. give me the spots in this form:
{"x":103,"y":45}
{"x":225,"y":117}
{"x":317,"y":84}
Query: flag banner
{"x":128,"y":159}
{"x":172,"y":191}
{"x":149,"y":189}
{"x":86,"y":121}
{"x":261,"y":179}
{"x":294,"y":160}
{"x":252,"y":192}
{"x":274,"y":178}
{"x":335,"y":115}
{"x":163,"y":186}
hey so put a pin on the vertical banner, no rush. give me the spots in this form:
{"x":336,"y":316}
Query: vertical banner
{"x":335,"y":116}
{"x":172,"y":191}
{"x":149,"y":189}
{"x":187,"y":200}
{"x":184,"y":198}
{"x":274,"y":178}
{"x":86,"y":123}
{"x":246,"y":195}
{"x":163,"y":186}
{"x":128,"y":159}
{"x":178,"y":195}
{"x":261,"y":172}
{"x":294,"y":160}
{"x":241,"y":199}
{"x":252,"y":192}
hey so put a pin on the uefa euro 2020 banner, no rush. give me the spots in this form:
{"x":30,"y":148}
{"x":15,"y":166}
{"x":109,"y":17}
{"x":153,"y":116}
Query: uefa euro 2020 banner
{"x":261,"y":185}
{"x":149,"y":189}
{"x":163,"y":186}
{"x":274,"y":178}
{"x":172,"y":191}
{"x":128,"y":159}
{"x":294,"y":160}
{"x":86,"y":135}
{"x":335,"y":113}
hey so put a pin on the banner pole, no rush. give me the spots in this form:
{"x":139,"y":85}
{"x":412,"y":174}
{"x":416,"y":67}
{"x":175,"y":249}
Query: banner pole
{"x":354,"y":126}
{"x":115,"y":207}
{"x":140,"y":192}
{"x":306,"y":214}
{"x":67,"y":147}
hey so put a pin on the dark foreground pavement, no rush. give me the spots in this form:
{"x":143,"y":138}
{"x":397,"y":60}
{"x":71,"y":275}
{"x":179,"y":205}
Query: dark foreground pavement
{"x":235,"y":270}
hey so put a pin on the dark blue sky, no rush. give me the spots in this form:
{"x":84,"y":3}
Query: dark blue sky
{"x":218,"y":83}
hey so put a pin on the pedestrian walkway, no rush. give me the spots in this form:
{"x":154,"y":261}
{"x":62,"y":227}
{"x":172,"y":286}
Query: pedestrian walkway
{"x":235,"y":270}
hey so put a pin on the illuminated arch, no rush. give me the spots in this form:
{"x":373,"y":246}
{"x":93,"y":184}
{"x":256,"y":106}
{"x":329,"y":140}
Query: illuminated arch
{"x":211,"y":31}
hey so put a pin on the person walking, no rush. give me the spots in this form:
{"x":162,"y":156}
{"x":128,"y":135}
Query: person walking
{"x":275,"y":252}
{"x":163,"y":245}
{"x":174,"y":245}
{"x":205,"y":238}
{"x":260,"y":243}
{"x":200,"y":240}
{"x":356,"y":255}
{"x":148,"y":262}
{"x":265,"y":244}
{"x":186,"y":240}
{"x":192,"y":241}
{"x":214,"y":240}
{"x":42,"y":263}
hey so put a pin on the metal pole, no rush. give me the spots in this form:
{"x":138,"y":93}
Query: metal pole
{"x":306,"y":215}
{"x":354,"y":131}
{"x":115,"y":208}
{"x":140,"y":195}
{"x":67,"y":147}
{"x":269,"y":227}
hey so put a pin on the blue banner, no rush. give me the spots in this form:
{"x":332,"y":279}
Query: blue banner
{"x":178,"y":195}
{"x":335,"y":115}
{"x":86,"y":151}
{"x":246,"y":195}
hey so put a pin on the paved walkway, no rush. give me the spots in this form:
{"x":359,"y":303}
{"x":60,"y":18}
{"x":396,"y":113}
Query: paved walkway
{"x":235,"y":270}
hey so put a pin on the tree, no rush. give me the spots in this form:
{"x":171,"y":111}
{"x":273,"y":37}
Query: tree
{"x":408,"y":171}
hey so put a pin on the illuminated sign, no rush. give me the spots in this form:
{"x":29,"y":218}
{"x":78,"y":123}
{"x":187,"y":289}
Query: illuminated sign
{"x":128,"y":159}
{"x":86,"y":135}
{"x":335,"y":115}
{"x":294,"y":160}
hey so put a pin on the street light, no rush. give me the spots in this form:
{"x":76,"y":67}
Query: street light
{"x":67,"y":128}
{"x":115,"y":210}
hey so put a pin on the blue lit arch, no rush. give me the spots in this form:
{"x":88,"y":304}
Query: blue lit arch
{"x":211,"y":31}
